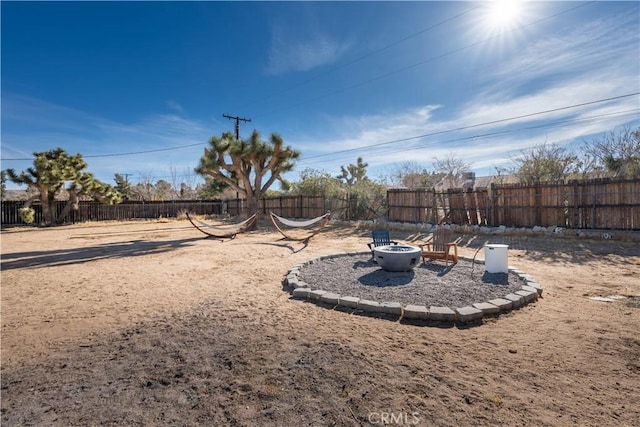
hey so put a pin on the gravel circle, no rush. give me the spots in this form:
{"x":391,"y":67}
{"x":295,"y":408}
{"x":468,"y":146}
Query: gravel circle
{"x":428,"y":284}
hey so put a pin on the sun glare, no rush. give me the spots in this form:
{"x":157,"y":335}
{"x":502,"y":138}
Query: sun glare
{"x":503,"y":14}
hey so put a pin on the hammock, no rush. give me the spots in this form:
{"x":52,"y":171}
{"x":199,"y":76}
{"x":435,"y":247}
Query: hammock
{"x":302,"y":225}
{"x":223,"y":231}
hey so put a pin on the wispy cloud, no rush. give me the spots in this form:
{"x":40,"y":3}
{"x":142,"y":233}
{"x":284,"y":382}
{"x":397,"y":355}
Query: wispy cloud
{"x":44,"y":126}
{"x":482,"y":146}
{"x":581,"y":65}
{"x":289,"y":52}
{"x":174,"y":105}
{"x":597,"y":45}
{"x":491,"y":105}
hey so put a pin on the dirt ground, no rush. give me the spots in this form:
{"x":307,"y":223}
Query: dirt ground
{"x":148,"y":323}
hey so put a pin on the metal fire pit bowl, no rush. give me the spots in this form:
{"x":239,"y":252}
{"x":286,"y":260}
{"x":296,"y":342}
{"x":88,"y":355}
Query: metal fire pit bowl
{"x":397,"y":257}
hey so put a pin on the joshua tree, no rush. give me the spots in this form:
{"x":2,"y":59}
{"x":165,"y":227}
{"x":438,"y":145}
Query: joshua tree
{"x":54,"y":169}
{"x":353,"y":174}
{"x":249,"y":166}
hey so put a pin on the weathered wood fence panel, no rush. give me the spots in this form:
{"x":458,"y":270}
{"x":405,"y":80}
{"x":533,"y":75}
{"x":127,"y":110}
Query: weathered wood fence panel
{"x":94,"y":211}
{"x":285,"y":206}
{"x":481,"y":196}
{"x":604,"y":204}
{"x":416,"y":206}
{"x":528,"y":205}
{"x":294,"y":206}
{"x":471,"y":205}
{"x":595,"y":204}
{"x":338,"y":207}
{"x":290,"y":206}
{"x":457,"y":212}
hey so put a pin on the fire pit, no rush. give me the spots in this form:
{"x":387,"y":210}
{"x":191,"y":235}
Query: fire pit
{"x":397,"y":257}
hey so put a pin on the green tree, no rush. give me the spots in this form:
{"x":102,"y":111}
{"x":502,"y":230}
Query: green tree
{"x":249,"y":166}
{"x":54,"y":169}
{"x":366,"y":199}
{"x":186,"y":192}
{"x":210,"y":189}
{"x":123,"y":186}
{"x":317,"y":183}
{"x":164,"y":190}
{"x":3,"y":184}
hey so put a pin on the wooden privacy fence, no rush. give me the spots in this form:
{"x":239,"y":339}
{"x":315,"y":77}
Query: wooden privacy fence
{"x":595,"y":204}
{"x":95,"y":211}
{"x":426,"y":205}
{"x":285,"y":206}
{"x":292,"y":206}
{"x":591,"y":204}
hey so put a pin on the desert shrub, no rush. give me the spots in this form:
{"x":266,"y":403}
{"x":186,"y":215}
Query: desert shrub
{"x":182,"y":214}
{"x":27,"y":215}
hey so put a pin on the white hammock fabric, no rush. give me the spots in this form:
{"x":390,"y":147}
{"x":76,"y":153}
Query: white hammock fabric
{"x":298,"y":224}
{"x":295,"y":224}
{"x":224,"y":230}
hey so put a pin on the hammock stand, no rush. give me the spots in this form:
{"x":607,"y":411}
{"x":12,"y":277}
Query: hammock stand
{"x":323,"y":220}
{"x":223,"y":231}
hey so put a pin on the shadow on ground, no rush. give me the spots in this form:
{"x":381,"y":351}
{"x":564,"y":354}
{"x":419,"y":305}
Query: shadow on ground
{"x":134,"y":248}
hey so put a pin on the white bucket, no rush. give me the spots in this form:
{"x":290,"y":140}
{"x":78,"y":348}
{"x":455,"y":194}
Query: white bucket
{"x":495,"y":258}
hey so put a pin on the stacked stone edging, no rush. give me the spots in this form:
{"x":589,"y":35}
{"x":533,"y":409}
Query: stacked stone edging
{"x":530,"y":292}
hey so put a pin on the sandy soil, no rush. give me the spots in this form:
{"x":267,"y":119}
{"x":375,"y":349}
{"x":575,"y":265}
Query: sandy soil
{"x":147,"y":323}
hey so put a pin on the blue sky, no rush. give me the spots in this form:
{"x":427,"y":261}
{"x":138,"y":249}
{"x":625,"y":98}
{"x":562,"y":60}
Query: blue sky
{"x":138,"y":88}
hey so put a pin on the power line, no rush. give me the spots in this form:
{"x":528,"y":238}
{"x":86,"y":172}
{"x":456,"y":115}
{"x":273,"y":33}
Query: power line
{"x":469,"y":138}
{"x":130,"y":153}
{"x":238,"y":120}
{"x":356,"y":85}
{"x":387,"y":150}
{"x":377,"y":144}
{"x":417,"y":64}
{"x":364,"y":56}
{"x":505,"y":132}
{"x":395,"y":141}
{"x":431,"y":144}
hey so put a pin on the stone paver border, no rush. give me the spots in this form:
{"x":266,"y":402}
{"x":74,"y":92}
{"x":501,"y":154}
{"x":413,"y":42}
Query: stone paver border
{"x":530,"y":292}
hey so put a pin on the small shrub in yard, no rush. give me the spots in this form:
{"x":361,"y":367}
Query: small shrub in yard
{"x":27,"y":215}
{"x":182,"y":214}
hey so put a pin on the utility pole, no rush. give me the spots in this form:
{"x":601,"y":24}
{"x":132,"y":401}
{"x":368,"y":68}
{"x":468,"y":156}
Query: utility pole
{"x":237,"y":119}
{"x":126,"y":177}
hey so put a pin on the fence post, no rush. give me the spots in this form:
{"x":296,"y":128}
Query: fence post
{"x":491,"y":208}
{"x":593,"y":210}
